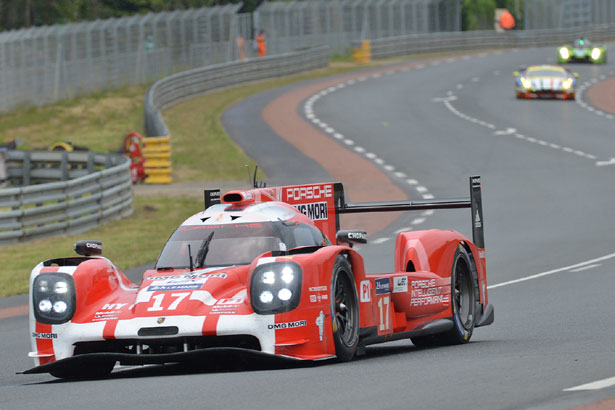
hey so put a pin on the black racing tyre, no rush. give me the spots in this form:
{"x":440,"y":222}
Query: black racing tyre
{"x":92,"y":370}
{"x":464,"y":284}
{"x":463,"y":299}
{"x":344,"y":310}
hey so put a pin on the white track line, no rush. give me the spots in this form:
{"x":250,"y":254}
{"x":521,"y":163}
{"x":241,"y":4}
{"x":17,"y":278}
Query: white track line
{"x":551,"y":272}
{"x":308,"y":109}
{"x":597,"y":385}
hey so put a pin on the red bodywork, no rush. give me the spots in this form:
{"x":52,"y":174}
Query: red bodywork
{"x":213,"y":307}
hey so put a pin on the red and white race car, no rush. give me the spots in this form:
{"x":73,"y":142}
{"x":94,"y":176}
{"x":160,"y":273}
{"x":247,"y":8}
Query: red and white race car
{"x":258,"y":274}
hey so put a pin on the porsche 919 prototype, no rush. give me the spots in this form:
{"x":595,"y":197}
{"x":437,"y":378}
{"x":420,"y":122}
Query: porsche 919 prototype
{"x":263,"y":272}
{"x":545,"y":81}
{"x":582,"y":51}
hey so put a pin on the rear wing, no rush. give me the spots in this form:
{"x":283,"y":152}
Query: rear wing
{"x":325,"y":202}
{"x":474,"y":202}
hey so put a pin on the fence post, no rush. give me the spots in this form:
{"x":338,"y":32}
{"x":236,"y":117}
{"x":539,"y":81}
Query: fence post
{"x":26,"y":169}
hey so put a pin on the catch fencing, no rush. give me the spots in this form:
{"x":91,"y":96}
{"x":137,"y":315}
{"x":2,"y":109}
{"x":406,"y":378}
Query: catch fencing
{"x":295,"y":25}
{"x":173,"y":89}
{"x":89,"y":189}
{"x":44,"y":64}
{"x":562,"y":14}
{"x":477,"y":40}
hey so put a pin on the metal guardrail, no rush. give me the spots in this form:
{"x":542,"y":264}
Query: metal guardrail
{"x":476,"y":40}
{"x":178,"y":87}
{"x":91,"y":189}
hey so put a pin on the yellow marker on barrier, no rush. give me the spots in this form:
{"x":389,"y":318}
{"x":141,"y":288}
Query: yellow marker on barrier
{"x":157,"y":151}
{"x":363,"y":54}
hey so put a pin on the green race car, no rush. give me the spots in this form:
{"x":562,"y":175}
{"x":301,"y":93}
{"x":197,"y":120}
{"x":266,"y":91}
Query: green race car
{"x":583,"y":51}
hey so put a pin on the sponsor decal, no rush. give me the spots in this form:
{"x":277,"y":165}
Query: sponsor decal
{"x":366,"y":294}
{"x":160,"y":320}
{"x":191,"y":276}
{"x":166,"y":288}
{"x":287,"y":325}
{"x":400,"y":284}
{"x":230,"y":301}
{"x":383,"y":286}
{"x":100,"y":316}
{"x":318,"y":289}
{"x":182,"y":282}
{"x":113,"y":306}
{"x":359,"y":236}
{"x":93,"y":246}
{"x":320,"y":322}
{"x":309,"y":192}
{"x":477,"y":222}
{"x":317,"y":211}
{"x":318,"y":298}
{"x":425,"y":292}
{"x":38,"y":335}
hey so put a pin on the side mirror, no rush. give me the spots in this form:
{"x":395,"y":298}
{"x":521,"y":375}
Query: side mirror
{"x":516,"y":74}
{"x":575,"y":75}
{"x":351,"y":236}
{"x":88,"y":248}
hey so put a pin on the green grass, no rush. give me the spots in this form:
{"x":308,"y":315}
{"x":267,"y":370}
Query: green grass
{"x":201,"y":151}
{"x":99,"y":121}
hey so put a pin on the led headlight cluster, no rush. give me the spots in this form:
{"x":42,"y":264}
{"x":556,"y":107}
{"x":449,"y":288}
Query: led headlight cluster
{"x":527,"y":84}
{"x":567,"y":84}
{"x":276,"y":287}
{"x":596,"y":53}
{"x":563,"y":52}
{"x":53,"y":296}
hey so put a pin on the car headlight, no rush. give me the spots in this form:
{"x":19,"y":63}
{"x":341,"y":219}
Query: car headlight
{"x":527,"y":84}
{"x":566,"y":84}
{"x":564,"y":53}
{"x":276,"y":287}
{"x":596,"y":53}
{"x":53,"y":297}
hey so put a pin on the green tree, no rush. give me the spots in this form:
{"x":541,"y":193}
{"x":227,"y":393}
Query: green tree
{"x":478,"y":14}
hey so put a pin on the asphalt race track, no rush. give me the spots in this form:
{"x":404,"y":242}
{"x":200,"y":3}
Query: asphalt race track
{"x":550,"y":238}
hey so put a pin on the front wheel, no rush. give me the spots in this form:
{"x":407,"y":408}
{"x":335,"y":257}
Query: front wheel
{"x":345,"y":311}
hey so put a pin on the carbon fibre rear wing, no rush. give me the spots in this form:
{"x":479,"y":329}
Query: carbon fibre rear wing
{"x":474,"y":202}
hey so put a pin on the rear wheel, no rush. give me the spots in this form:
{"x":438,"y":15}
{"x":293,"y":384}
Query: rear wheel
{"x":463,"y":303}
{"x":345,"y":311}
{"x":463,"y":295}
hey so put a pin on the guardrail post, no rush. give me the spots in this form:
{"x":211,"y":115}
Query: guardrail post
{"x":25,"y":178}
{"x":64,"y":166}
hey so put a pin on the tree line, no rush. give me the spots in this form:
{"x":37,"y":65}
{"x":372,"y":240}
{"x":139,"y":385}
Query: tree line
{"x":16,"y":14}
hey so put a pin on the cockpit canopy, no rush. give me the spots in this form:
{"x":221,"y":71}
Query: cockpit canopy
{"x":235,"y":243}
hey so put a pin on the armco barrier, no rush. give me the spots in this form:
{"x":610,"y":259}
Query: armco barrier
{"x":171,"y":90}
{"x":90,"y":189}
{"x":477,"y":40}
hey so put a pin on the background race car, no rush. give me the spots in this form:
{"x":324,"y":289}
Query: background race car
{"x":545,"y":81}
{"x":254,"y":276}
{"x":582,"y":51}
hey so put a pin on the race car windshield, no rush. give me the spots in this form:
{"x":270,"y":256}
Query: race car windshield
{"x":547,"y":73}
{"x":582,"y":43}
{"x":235,"y":244}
